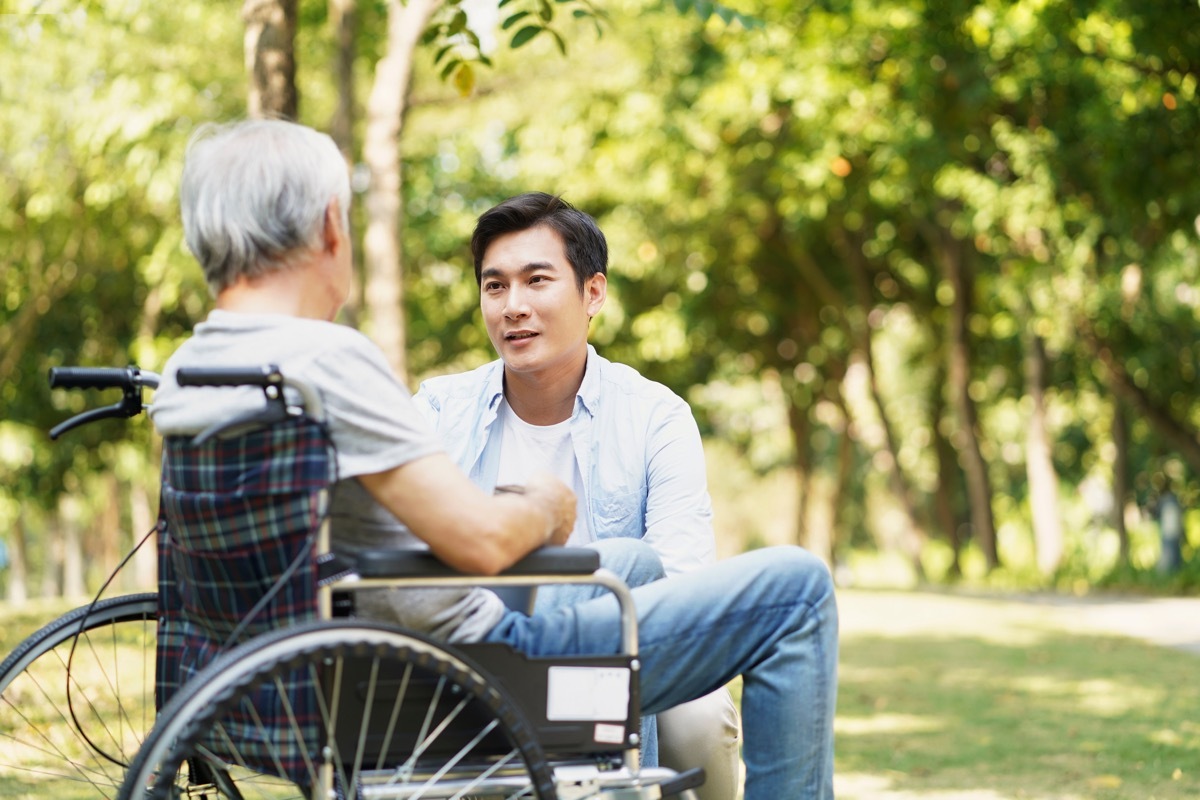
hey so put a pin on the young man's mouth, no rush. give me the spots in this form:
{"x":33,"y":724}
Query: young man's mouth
{"x":519,"y":336}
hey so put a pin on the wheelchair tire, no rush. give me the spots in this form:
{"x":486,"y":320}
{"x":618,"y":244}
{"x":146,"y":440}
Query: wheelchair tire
{"x":211,"y":737}
{"x":52,"y":745}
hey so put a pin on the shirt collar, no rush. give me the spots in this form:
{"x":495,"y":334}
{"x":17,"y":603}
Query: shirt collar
{"x":589,"y":390}
{"x":588,"y":394}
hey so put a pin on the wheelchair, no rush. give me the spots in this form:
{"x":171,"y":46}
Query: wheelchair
{"x":264,"y":684}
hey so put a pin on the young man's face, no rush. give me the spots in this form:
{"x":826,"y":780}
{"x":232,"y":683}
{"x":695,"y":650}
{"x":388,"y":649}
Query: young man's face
{"x":535,"y":314}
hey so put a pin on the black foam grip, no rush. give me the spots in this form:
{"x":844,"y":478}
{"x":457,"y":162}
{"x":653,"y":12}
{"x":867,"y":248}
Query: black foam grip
{"x":91,"y":377}
{"x":228,"y":376}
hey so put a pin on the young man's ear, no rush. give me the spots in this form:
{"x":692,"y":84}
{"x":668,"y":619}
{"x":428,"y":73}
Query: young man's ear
{"x":595,"y":291}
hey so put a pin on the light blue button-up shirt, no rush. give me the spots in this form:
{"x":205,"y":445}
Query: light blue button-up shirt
{"x":636,"y":442}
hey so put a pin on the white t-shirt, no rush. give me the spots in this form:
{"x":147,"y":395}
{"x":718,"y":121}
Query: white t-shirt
{"x":374,"y":425}
{"x":526,"y":449}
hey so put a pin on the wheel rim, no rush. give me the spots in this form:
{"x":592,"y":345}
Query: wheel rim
{"x":397,"y":717}
{"x":78,"y":745}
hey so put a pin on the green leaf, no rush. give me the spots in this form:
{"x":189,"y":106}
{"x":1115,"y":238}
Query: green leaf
{"x":562,"y":46}
{"x":513,"y":20}
{"x":523,"y":36}
{"x":431,"y":34}
{"x":450,"y":67}
{"x":545,"y":10}
{"x":464,"y":80}
{"x":442,"y":53}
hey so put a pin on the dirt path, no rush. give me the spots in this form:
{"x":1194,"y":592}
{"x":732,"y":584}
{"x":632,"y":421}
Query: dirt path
{"x":1169,"y":622}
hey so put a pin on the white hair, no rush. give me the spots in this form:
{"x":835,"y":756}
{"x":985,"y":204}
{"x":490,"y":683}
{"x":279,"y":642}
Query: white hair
{"x":255,"y":192}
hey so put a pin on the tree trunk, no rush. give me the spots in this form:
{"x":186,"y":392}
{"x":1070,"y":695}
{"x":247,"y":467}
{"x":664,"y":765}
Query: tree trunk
{"x":1121,"y":473}
{"x":342,"y":17}
{"x":381,"y":151}
{"x":70,"y":513}
{"x":948,"y":482}
{"x":1178,"y":434}
{"x":845,"y":468}
{"x":912,"y":539}
{"x":344,"y":20}
{"x":18,"y":562}
{"x":979,"y":488}
{"x":52,"y":557}
{"x":801,"y":429}
{"x":145,"y":562}
{"x":1039,"y":463}
{"x":108,"y":525}
{"x":269,"y":47}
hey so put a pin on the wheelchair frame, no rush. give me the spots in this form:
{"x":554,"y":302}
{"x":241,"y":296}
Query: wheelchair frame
{"x":584,"y":777}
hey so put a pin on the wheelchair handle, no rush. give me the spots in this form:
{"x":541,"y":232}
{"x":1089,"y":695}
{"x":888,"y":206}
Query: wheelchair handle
{"x":261,"y":376}
{"x":130,"y":380}
{"x":102,"y":378}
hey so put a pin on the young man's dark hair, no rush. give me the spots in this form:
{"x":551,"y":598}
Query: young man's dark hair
{"x":582,"y":238}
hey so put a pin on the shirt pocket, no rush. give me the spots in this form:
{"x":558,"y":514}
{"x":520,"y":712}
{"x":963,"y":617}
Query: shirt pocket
{"x":619,"y":514}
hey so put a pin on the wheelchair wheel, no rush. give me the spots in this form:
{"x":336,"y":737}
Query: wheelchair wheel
{"x":340,"y":709}
{"x":77,"y":699}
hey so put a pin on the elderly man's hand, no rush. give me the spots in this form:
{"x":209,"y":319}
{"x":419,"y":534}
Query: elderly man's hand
{"x":557,"y":499}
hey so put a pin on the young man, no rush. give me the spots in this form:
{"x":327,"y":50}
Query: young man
{"x":628,"y":446}
{"x":264,"y":212}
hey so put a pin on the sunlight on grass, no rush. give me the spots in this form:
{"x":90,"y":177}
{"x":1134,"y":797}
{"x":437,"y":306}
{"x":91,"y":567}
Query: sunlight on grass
{"x":969,"y":698}
{"x":863,"y":786}
{"x":887,"y":723}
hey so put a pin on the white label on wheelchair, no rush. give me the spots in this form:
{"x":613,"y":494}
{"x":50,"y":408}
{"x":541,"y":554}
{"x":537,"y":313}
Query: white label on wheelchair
{"x":587,"y":693}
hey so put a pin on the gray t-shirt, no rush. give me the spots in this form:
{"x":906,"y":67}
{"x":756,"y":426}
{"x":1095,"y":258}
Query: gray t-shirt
{"x":374,"y":425}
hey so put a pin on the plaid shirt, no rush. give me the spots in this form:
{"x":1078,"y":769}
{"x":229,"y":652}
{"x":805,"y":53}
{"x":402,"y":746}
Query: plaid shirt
{"x":235,"y":514}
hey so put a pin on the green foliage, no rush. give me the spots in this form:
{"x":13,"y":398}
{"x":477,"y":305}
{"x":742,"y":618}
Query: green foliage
{"x":780,"y":182}
{"x":92,"y":271}
{"x":771,"y":195}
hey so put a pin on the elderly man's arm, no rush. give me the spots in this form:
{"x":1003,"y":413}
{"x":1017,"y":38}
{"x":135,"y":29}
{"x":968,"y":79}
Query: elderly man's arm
{"x":465,"y":527}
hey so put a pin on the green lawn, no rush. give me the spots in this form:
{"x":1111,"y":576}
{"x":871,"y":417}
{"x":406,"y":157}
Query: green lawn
{"x":954,"y":698}
{"x":951,"y":697}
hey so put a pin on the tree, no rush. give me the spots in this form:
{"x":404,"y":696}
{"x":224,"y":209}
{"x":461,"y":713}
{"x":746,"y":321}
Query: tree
{"x":88,"y":223}
{"x":270,"y":58}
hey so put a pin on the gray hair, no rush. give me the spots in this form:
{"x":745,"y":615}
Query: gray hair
{"x":255,"y":192}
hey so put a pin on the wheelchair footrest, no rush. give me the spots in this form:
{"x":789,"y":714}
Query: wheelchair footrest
{"x":691,"y":779}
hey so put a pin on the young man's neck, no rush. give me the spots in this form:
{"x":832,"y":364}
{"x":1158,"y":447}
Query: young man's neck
{"x":544,"y":398}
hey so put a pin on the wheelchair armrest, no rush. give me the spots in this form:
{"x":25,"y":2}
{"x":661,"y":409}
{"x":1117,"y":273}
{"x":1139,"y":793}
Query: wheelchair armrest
{"x":424,"y":564}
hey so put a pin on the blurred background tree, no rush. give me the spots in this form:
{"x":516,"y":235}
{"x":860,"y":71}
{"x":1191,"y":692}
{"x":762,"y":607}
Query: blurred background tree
{"x":930,"y":276}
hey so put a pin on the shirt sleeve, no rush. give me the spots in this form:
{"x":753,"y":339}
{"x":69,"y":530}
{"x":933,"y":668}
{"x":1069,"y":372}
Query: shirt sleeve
{"x":372,"y":416}
{"x":678,"y":507}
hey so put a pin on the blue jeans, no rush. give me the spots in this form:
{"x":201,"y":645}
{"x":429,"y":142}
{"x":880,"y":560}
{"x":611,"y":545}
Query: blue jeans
{"x":768,"y":615}
{"x":636,"y":563}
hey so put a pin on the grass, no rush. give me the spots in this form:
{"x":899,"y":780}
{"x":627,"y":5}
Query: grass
{"x":946,"y":697}
{"x":986,"y":699}
{"x":41,"y":754}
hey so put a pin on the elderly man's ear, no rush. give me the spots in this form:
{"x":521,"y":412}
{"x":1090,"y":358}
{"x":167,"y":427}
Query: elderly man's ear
{"x":334,"y":233}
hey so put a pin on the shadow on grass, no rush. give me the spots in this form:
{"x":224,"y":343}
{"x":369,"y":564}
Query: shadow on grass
{"x":1057,"y":716}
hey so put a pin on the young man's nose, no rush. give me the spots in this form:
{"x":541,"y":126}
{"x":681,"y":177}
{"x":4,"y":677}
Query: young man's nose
{"x":515,"y":304}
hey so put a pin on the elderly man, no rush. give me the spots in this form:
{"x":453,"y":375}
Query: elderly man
{"x":264,"y":207}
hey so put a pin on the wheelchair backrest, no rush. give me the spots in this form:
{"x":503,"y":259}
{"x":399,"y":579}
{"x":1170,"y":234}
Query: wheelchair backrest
{"x":238,"y":524}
